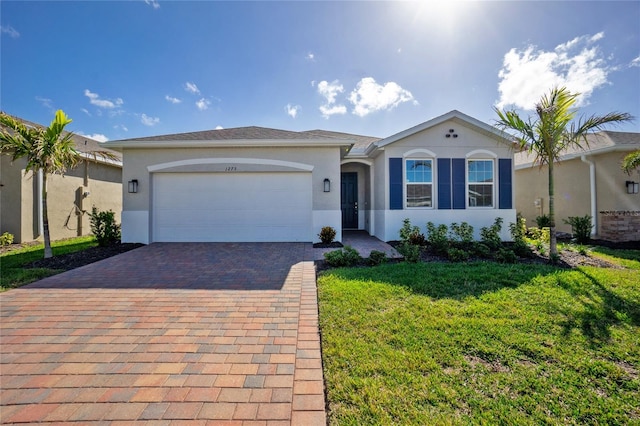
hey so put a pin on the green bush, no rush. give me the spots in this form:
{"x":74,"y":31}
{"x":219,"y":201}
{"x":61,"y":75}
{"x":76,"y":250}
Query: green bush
{"x":482,"y":250}
{"x":417,"y":239}
{"x":346,"y":256}
{"x":377,"y":257}
{"x":490,"y":235}
{"x":104,"y":227}
{"x":518,"y":232}
{"x":539,"y":234}
{"x":462,"y":233}
{"x":408,"y":230}
{"x":580,"y":228}
{"x":543,"y":221}
{"x":327,"y":235}
{"x":457,"y":255}
{"x":6,"y":239}
{"x":410,"y":252}
{"x":506,"y":256}
{"x":437,"y":237}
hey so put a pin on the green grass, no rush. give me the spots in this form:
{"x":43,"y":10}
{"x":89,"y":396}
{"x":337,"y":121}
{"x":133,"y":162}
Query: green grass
{"x":12,"y":271}
{"x":482,"y":343}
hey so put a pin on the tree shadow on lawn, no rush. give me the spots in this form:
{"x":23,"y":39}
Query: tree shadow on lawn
{"x":602,"y":309}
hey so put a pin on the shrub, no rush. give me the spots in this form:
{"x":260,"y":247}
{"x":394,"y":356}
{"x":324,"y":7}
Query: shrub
{"x":506,"y":256}
{"x":490,"y":235}
{"x":6,"y":239}
{"x":482,"y":250}
{"x":462,"y":233}
{"x":417,"y":239}
{"x":408,"y":230}
{"x":580,"y":227}
{"x":410,"y":252}
{"x":377,"y":257}
{"x":327,"y":235}
{"x":543,"y":221}
{"x":457,"y":255}
{"x":521,"y":248}
{"x":539,"y":234}
{"x":104,"y":227}
{"x":437,"y":237}
{"x":346,"y":256}
{"x":518,"y":232}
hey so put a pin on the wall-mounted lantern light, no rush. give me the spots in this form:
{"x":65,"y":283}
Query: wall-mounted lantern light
{"x":327,"y":185}
{"x":632,"y":187}
{"x":133,"y":186}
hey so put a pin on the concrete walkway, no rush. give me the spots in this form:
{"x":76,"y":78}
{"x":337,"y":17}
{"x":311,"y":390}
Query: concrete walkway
{"x":361,"y":241}
{"x":168,"y":333}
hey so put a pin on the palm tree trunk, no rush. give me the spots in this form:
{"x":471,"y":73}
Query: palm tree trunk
{"x":553,"y":248}
{"x":45,"y":219}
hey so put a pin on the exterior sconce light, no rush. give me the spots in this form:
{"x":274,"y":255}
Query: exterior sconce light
{"x":133,"y":186}
{"x":632,"y":187}
{"x":327,"y":185}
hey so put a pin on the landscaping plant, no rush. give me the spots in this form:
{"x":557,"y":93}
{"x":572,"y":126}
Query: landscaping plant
{"x":327,"y":235}
{"x":104,"y":227}
{"x":581,"y":227}
{"x":346,"y":256}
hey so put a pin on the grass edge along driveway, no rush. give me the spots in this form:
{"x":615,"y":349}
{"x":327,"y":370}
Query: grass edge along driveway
{"x":443,"y":343}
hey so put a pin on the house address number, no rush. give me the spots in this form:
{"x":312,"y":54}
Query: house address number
{"x":230,"y":169}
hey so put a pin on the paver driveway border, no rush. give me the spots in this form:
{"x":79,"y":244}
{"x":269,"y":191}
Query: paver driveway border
{"x":206,"y":333}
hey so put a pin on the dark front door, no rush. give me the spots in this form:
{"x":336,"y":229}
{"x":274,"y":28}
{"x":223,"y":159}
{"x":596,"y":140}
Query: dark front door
{"x":349,"y":199}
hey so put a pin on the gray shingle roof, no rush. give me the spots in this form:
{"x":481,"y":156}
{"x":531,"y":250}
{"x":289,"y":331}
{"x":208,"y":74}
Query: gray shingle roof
{"x":236,"y":133}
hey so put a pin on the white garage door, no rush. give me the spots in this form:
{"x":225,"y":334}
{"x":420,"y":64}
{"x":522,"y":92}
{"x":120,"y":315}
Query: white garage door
{"x":220,"y":207}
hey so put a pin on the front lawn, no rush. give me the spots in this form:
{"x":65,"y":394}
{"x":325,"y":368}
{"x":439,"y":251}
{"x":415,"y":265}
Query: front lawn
{"x":482,"y":343}
{"x":13,"y":273}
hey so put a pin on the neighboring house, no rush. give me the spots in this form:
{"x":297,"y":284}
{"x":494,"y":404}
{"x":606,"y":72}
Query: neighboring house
{"x":258,"y":184}
{"x":588,"y":181}
{"x":92,"y":183}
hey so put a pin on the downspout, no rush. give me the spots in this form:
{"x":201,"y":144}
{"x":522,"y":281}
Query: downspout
{"x":592,"y":191}
{"x":39,"y":198}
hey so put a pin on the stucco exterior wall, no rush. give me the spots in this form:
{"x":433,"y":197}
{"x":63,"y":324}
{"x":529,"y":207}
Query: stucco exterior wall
{"x":20,"y":199}
{"x":433,"y":143}
{"x":324,"y":162}
{"x":573,"y":190}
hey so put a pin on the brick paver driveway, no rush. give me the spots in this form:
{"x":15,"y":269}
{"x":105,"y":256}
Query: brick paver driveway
{"x":218,"y":333}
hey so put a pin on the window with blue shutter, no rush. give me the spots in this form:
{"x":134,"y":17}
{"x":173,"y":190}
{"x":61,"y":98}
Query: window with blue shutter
{"x":458,"y":182}
{"x":505,"y":186}
{"x":444,"y":183}
{"x":395,"y":184}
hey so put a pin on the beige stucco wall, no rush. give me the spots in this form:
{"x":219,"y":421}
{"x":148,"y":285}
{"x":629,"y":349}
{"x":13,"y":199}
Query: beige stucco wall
{"x":470,"y":143}
{"x":20,"y":199}
{"x":324,"y":162}
{"x":572,"y":189}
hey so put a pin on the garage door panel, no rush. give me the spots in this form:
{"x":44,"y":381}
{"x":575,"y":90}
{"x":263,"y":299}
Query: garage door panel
{"x":232,"y":207}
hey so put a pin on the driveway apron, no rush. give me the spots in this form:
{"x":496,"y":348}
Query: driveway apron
{"x":210,"y":333}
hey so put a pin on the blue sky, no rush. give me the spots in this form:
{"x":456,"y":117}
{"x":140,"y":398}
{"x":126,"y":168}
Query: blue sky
{"x":139,"y":68}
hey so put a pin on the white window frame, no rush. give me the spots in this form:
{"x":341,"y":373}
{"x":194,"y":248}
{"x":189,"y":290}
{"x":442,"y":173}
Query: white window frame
{"x":432,"y":183}
{"x":492,"y":183}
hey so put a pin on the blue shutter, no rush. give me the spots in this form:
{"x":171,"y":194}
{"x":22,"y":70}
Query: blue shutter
{"x":395,"y":184}
{"x":458,"y":183}
{"x":444,"y":183}
{"x":505,"y":186}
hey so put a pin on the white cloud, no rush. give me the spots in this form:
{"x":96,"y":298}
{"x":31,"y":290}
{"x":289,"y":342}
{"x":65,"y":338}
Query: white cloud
{"x":311,"y":57}
{"x":149,"y":121}
{"x":369,"y":96}
{"x":10,"y":31}
{"x":94,"y":99}
{"x":330,"y":91}
{"x":527,"y":74}
{"x":153,"y":3}
{"x":635,"y":62}
{"x":292,"y":110}
{"x":172,"y":99}
{"x":203,"y":104}
{"x":191,"y":88}
{"x":46,"y":102}
{"x":219,"y":127}
{"x":86,"y":111}
{"x":96,"y":136}
{"x":121,"y":127}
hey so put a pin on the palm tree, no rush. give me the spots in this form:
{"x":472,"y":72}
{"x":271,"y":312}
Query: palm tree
{"x":631,"y":162}
{"x":49,"y":150}
{"x":553,"y":130}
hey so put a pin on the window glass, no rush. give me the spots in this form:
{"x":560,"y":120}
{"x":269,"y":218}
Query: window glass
{"x":419,"y":183}
{"x":480,"y":183}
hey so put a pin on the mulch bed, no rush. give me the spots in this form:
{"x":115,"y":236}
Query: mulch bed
{"x":70,"y":261}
